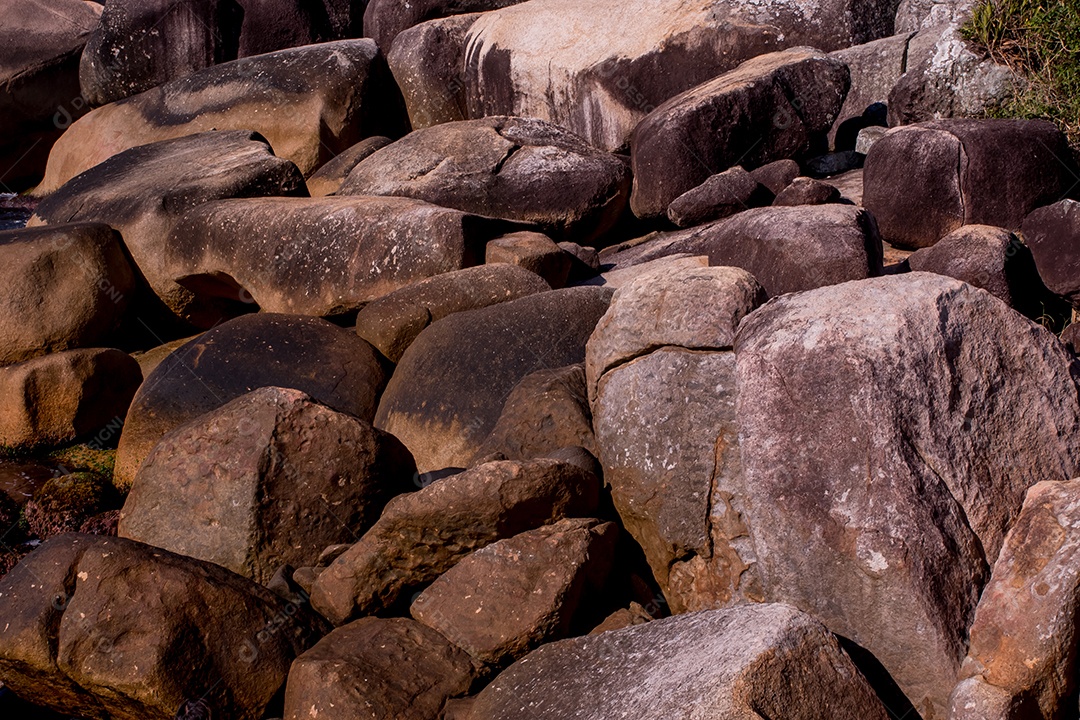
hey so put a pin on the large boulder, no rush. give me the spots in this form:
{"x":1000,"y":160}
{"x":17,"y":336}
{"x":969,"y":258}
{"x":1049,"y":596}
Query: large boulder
{"x":61,"y":287}
{"x":269,"y":479}
{"x":1022,"y":648}
{"x":394,"y":669}
{"x":392,"y":322}
{"x":109,"y":628}
{"x":144,"y":191}
{"x":423,"y":534}
{"x":875,"y":68}
{"x":769,"y":108}
{"x":600,"y":69}
{"x":1053,"y":235}
{"x":384,"y":20}
{"x":314,"y":256}
{"x":888,"y":431}
{"x":450,"y":386}
{"x":66,"y":396}
{"x":310,"y":103}
{"x":39,"y":80}
{"x":508,"y":167}
{"x":923,"y":181}
{"x":747,"y":662}
{"x":142,"y":44}
{"x":331,"y":365}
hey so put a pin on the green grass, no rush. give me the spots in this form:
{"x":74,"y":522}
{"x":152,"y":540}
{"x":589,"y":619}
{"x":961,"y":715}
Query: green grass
{"x":1041,"y":40}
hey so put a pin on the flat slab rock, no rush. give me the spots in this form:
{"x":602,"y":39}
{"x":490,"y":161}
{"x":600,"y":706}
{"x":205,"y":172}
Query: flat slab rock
{"x":745,"y":662}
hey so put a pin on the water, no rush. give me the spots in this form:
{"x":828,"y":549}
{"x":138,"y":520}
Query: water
{"x":13,"y":213}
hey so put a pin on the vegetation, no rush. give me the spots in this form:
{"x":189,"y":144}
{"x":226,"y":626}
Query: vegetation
{"x":1041,"y":40}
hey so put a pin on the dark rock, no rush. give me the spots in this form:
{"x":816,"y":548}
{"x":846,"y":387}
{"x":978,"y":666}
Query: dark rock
{"x":743,"y":117}
{"x":875,"y":68}
{"x":384,"y":20}
{"x":1053,"y":235}
{"x":721,"y":196}
{"x":777,"y":175}
{"x":534,"y":252}
{"x":807,"y":191}
{"x":824,"y":166}
{"x":64,"y":504}
{"x":328,"y":178}
{"x":101,"y":524}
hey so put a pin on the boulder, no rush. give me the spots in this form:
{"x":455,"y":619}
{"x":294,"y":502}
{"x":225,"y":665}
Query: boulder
{"x":507,"y":167}
{"x":922,"y":182}
{"x":270,"y":478}
{"x":392,"y":322}
{"x":752,"y":661}
{"x":769,"y":108}
{"x":533,"y":251}
{"x":384,"y":20}
{"x":1053,"y":235}
{"x":888,"y":430}
{"x":313,"y":256}
{"x":328,"y":178}
{"x":450,"y":385}
{"x":1022,"y":643}
{"x":600,"y":69}
{"x":102,"y":627}
{"x":62,"y":397}
{"x":144,"y":191}
{"x":875,"y":68}
{"x":623,"y":274}
{"x":722,"y":195}
{"x":423,"y":534}
{"x":915,"y":15}
{"x":61,"y":287}
{"x":393,"y":669}
{"x":141,"y":44}
{"x":777,"y":175}
{"x":807,"y":191}
{"x":39,"y":81}
{"x":516,"y":594}
{"x":331,"y":365}
{"x":310,"y":103}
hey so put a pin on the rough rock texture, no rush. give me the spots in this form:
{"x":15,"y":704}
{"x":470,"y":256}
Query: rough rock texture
{"x":144,"y":43}
{"x":61,"y":397}
{"x":601,"y":69}
{"x":514,"y":595}
{"x":39,"y":81}
{"x":507,"y":167}
{"x":328,"y":178}
{"x":268,"y":479}
{"x":332,"y":365}
{"x":423,"y":534}
{"x":314,"y":256}
{"x":60,"y":288}
{"x":102,"y":627}
{"x":875,"y":68}
{"x":1023,"y":640}
{"x":777,"y":175}
{"x":915,"y":15}
{"x":547,"y":411}
{"x":310,"y":103}
{"x":1053,"y":234}
{"x":392,"y":322}
{"x":394,"y":669}
{"x":533,"y":251}
{"x":722,"y":195}
{"x":144,"y":191}
{"x":384,"y":20}
{"x":924,"y":181}
{"x":450,"y":385}
{"x":876,"y":497}
{"x":65,"y":503}
{"x":752,"y":661}
{"x":769,"y":108}
{"x":807,"y":191}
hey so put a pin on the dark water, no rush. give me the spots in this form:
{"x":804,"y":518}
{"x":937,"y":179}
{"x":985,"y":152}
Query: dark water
{"x":11,"y":214}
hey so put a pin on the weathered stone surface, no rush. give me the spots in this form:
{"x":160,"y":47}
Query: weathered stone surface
{"x":1053,"y":235}
{"x":623,"y":618}
{"x":807,"y":191}
{"x":65,"y":503}
{"x":507,"y":167}
{"x":392,"y":322}
{"x":533,"y":251}
{"x":332,"y":365}
{"x":423,"y":534}
{"x":144,"y":43}
{"x":270,"y":478}
{"x":915,"y":15}
{"x":384,"y":20}
{"x":450,"y":385}
{"x":516,"y":594}
{"x":60,"y":288}
{"x":314,"y":256}
{"x":61,"y":397}
{"x":721,"y":196}
{"x":888,"y":430}
{"x":746,"y":117}
{"x":547,"y":411}
{"x":1022,"y":641}
{"x":875,"y":69}
{"x":328,"y":178}
{"x":394,"y":669}
{"x":600,"y":69}
{"x":144,"y":191}
{"x":758,"y":660}
{"x":924,"y":181}
{"x":777,"y":175}
{"x":102,"y":627}
{"x":310,"y":103}
{"x":39,"y":81}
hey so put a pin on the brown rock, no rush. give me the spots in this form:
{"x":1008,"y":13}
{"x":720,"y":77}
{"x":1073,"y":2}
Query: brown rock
{"x":267,"y":479}
{"x":328,"y":178}
{"x":875,"y":68}
{"x":623,"y":618}
{"x":533,"y":251}
{"x":423,"y":534}
{"x":394,"y":669}
{"x":65,"y":503}
{"x":777,"y":175}
{"x":1053,"y":235}
{"x":516,"y":594}
{"x":807,"y":191}
{"x":721,"y":196}
{"x":384,"y":20}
